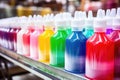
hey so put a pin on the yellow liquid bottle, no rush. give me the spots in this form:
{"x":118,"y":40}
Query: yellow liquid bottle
{"x":44,"y":45}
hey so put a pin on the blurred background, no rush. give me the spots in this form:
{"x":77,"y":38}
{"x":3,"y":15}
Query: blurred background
{"x":10,"y":8}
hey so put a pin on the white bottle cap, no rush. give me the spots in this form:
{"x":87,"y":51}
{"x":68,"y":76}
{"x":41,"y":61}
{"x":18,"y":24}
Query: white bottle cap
{"x":13,"y":22}
{"x":89,"y":20}
{"x":30,"y":21}
{"x":67,"y":18}
{"x":100,"y":22}
{"x":116,"y":20}
{"x":78,"y":21}
{"x":23,"y":22}
{"x":107,"y":13}
{"x":49,"y":20}
{"x":61,"y":21}
{"x":109,"y":17}
{"x":38,"y":22}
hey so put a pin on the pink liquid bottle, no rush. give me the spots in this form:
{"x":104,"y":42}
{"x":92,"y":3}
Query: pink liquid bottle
{"x":109,"y":18}
{"x":23,"y":25}
{"x":26,"y":37}
{"x":115,"y":36}
{"x":100,"y":52}
{"x":38,"y":26}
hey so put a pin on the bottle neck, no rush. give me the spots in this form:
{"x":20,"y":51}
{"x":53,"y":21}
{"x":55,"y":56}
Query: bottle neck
{"x":99,"y":29}
{"x":61,"y":28}
{"x":100,"y":33}
{"x":116,"y":28}
{"x":77,"y":29}
{"x":48,"y":28}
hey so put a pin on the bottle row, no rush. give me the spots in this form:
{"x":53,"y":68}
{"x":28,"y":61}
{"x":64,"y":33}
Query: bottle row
{"x":81,"y":44}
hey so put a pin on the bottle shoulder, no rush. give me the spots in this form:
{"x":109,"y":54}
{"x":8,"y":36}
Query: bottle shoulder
{"x":77,"y":36}
{"x":60,"y":34}
{"x":99,"y":38}
{"x":115,"y":35}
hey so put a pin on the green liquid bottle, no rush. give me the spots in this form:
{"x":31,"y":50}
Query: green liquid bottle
{"x":57,"y":41}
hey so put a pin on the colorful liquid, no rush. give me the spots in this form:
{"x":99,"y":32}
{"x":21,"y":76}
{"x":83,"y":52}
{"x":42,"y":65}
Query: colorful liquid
{"x":44,"y":45}
{"x":4,"y":37}
{"x":109,"y":31}
{"x":100,"y":57}
{"x":75,"y":52}
{"x":115,"y":36}
{"x":68,"y":30}
{"x":26,"y":42}
{"x":57,"y":43}
{"x":88,"y":33}
{"x":34,"y":53}
{"x":20,"y":41}
{"x":13,"y":38}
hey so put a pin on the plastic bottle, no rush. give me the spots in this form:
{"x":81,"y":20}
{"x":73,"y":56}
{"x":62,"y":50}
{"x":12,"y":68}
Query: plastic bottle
{"x":76,"y":46}
{"x":23,"y":25}
{"x":84,"y":17}
{"x":44,"y":39}
{"x":89,"y":25}
{"x":57,"y":41}
{"x":109,"y":17}
{"x":34,"y":53}
{"x":115,"y":36}
{"x":5,"y":31}
{"x":7,"y":35}
{"x":100,"y":52}
{"x":13,"y":34}
{"x":17,"y":28}
{"x":26,"y":37}
{"x":67,"y":21}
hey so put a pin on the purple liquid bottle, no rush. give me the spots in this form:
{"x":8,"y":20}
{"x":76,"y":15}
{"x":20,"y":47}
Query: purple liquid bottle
{"x":115,"y":36}
{"x":109,"y":17}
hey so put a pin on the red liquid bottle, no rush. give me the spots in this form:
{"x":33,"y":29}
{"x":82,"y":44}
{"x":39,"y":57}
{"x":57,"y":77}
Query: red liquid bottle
{"x":99,"y":52}
{"x":26,"y":38}
{"x":115,"y":36}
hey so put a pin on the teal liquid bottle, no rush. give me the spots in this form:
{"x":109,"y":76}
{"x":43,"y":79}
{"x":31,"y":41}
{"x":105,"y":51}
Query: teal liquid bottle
{"x":76,"y":47}
{"x":89,"y":25}
{"x":68,"y":30}
{"x":57,"y":43}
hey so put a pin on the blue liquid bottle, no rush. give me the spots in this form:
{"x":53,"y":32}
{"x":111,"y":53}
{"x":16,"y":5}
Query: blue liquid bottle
{"x":89,"y":25}
{"x":76,"y":46}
